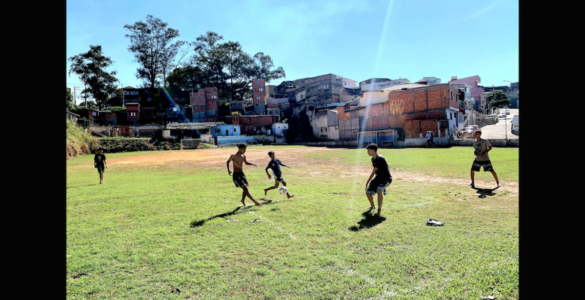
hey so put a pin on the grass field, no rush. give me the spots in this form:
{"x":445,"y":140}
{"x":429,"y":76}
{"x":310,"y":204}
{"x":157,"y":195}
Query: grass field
{"x":170,"y":225}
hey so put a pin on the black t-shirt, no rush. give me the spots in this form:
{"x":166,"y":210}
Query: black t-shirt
{"x":275,"y":166}
{"x":383,"y":169}
{"x":99,"y":159}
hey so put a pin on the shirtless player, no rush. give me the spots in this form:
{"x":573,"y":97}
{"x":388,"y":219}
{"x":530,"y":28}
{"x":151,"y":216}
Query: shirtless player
{"x":239,"y":178}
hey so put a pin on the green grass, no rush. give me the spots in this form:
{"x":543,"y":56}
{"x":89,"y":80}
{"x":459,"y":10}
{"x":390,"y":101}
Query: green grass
{"x":454,"y":162}
{"x":153,"y":228}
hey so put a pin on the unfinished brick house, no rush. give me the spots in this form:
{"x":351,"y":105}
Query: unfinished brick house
{"x":204,"y":104}
{"x":410,"y":112}
{"x":252,"y":124}
{"x":259,"y":96}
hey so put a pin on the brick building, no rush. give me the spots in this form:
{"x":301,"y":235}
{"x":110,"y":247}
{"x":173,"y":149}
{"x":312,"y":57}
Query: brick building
{"x":204,"y":104}
{"x":252,"y":124}
{"x":413,"y":111}
{"x":259,"y":96}
{"x":133,"y":113}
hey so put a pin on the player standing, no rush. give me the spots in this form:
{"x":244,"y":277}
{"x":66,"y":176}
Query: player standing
{"x":382,"y":180}
{"x":482,"y":159}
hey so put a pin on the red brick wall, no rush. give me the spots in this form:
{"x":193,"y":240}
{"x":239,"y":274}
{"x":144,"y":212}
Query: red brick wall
{"x":211,"y":105}
{"x":430,"y":125}
{"x":136,"y":117}
{"x":436,"y":99}
{"x":110,"y":115}
{"x":261,"y":83}
{"x":420,"y":100}
{"x":342,"y":115}
{"x":273,"y":105}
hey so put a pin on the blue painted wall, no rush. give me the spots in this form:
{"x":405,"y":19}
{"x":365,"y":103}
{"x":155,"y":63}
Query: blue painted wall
{"x":234,"y":130}
{"x":222,"y":140}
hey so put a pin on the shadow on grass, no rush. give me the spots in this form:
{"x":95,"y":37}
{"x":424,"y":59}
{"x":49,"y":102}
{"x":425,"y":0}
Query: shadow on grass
{"x":368,"y":221}
{"x":231,"y":213}
{"x":485,"y":192}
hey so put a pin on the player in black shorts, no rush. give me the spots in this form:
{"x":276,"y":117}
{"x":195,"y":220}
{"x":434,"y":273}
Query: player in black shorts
{"x":382,"y":180}
{"x":239,"y":178}
{"x":275,"y":164}
{"x":99,"y":162}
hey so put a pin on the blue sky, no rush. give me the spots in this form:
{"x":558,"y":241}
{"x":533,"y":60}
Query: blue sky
{"x":356,"y":39}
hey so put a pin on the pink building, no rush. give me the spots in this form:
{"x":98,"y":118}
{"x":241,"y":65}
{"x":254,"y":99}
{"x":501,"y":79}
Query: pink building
{"x":476,"y":91}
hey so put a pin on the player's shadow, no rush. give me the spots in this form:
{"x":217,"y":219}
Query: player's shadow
{"x":368,"y":221}
{"x":231,"y":213}
{"x":485,"y":192}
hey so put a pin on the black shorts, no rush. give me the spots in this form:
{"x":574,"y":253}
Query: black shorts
{"x":278,"y":177}
{"x":378,"y":184}
{"x":240,"y":179}
{"x":100,"y":169}
{"x":486,"y":164}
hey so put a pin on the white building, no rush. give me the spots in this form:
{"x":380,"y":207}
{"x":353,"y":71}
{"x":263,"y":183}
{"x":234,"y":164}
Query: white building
{"x":279,"y":128}
{"x":374,"y":84}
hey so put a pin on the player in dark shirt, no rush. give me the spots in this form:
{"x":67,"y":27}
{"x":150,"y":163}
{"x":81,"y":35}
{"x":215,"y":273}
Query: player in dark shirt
{"x":382,"y":180}
{"x":99,"y":162}
{"x":275,"y":164}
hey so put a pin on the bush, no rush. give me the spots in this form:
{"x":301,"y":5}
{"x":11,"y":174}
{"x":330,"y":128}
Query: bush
{"x":121,"y":144}
{"x":79,"y":141}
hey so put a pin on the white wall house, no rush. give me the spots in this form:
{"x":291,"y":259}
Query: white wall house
{"x":279,"y":128}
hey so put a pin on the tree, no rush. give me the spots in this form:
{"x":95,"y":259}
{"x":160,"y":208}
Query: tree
{"x":224,"y":66}
{"x":90,"y":67}
{"x":497,"y":98}
{"x":264,"y":67}
{"x":117,"y":99}
{"x":89,"y":104}
{"x":151,"y":45}
{"x":69,"y":106}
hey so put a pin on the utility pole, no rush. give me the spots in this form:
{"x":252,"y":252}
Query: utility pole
{"x":86,"y":96}
{"x":75,"y":94}
{"x":505,"y":123}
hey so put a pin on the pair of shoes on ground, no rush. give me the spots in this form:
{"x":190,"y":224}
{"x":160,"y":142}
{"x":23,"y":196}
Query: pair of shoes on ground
{"x":433,"y":222}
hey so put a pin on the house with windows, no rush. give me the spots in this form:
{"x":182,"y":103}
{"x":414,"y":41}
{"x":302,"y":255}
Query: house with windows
{"x":133,"y":113}
{"x":204,"y":105}
{"x":225,"y":130}
{"x":253,"y":124}
{"x":259,"y":96}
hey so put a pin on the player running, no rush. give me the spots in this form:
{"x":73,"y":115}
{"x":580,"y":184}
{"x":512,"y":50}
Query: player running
{"x":275,"y":164}
{"x":239,"y":178}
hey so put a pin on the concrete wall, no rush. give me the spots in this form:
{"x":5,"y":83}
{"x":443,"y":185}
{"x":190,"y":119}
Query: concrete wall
{"x":233,"y":130}
{"x":373,"y":97}
{"x":233,"y":140}
{"x":278,"y":128}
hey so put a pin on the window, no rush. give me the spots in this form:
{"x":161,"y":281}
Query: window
{"x":234,"y":130}
{"x":211,"y":89}
{"x":249,"y":119}
{"x":257,"y":81}
{"x":261,"y":89}
{"x":259,"y":119}
{"x":132,"y":114}
{"x":257,"y":104}
{"x":258,"y":97}
{"x":326,"y":87}
{"x":217,"y":130}
{"x":451,"y":116}
{"x":126,"y":93}
{"x":94,"y":113}
{"x":134,"y":93}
